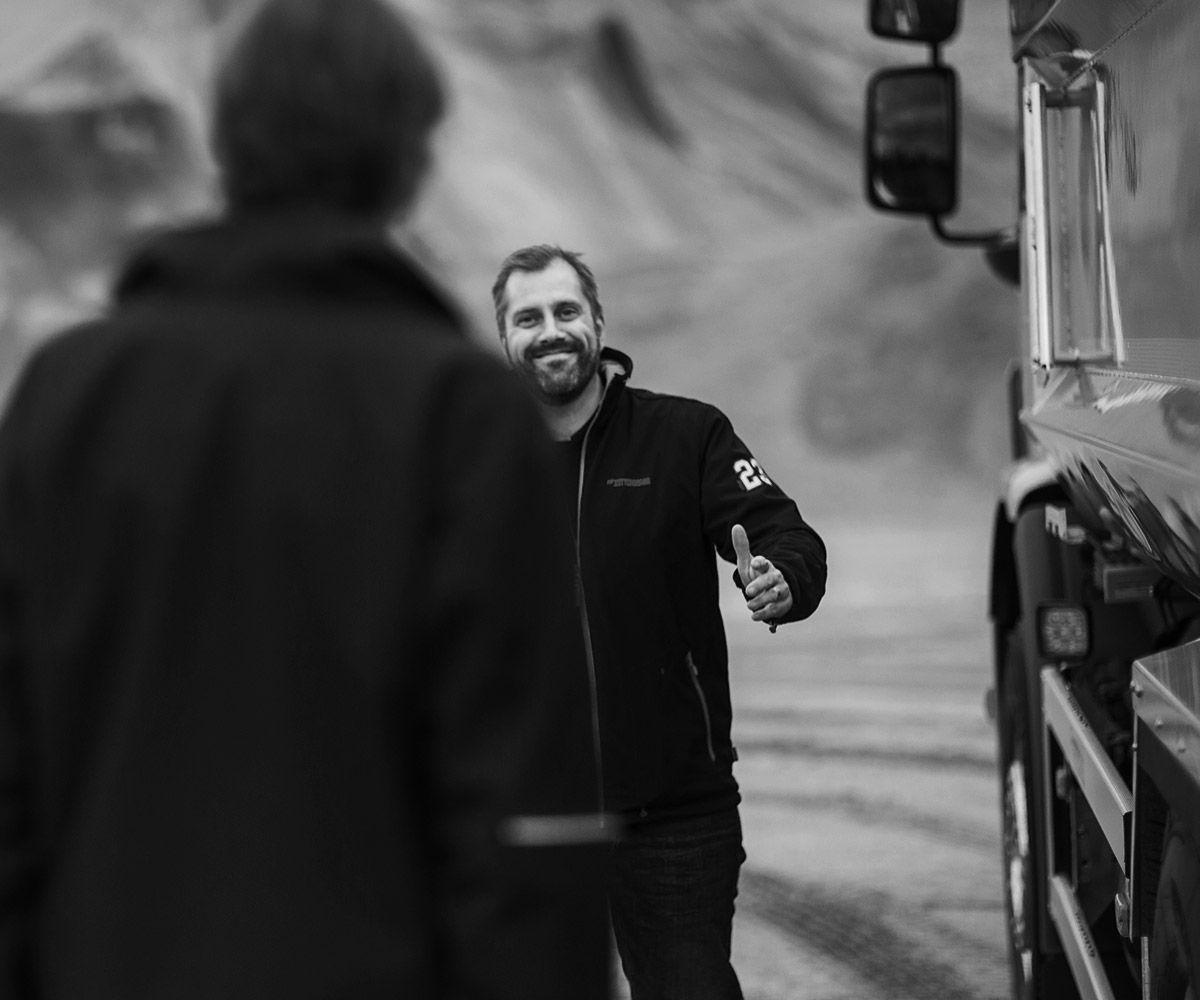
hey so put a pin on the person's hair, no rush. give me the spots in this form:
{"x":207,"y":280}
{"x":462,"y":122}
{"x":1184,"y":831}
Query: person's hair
{"x":325,"y":102}
{"x":538,"y":258}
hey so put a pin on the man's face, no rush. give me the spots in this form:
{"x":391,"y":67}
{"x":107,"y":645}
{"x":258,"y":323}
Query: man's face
{"x":550,"y":334}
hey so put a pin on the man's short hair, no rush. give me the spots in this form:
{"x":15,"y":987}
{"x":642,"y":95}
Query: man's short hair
{"x":538,"y":258}
{"x":325,"y":102}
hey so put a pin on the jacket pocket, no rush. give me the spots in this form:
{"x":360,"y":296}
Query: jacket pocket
{"x":694,"y":674}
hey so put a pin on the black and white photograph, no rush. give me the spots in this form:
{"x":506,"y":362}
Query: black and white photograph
{"x":599,"y":500}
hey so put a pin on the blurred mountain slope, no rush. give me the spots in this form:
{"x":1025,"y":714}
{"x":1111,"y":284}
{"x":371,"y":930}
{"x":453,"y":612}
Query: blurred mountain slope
{"x":744,"y":267}
{"x":705,"y":154}
{"x":754,"y":108}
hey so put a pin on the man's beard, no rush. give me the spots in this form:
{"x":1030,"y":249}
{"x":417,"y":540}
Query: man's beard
{"x":564,"y":383}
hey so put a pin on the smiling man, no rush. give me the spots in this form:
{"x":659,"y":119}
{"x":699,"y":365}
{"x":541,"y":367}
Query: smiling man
{"x":553,"y":338}
{"x":661,"y":482}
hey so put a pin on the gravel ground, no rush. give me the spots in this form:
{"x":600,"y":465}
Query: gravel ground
{"x":870,"y":805}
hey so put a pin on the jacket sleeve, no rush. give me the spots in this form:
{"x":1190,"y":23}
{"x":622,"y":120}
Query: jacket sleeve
{"x":737,"y":490}
{"x":518,"y":843}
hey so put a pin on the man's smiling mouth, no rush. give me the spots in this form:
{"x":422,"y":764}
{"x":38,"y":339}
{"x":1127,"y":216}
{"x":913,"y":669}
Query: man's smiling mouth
{"x":556,"y":351}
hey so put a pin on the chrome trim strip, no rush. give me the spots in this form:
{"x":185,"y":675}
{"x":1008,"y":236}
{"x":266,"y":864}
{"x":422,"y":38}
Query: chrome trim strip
{"x":1035,"y":252}
{"x":1100,"y":134}
{"x":1101,"y":783}
{"x":1077,"y":942}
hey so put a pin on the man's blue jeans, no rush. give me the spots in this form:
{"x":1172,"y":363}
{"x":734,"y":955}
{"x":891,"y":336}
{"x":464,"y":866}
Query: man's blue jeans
{"x":671,"y":893}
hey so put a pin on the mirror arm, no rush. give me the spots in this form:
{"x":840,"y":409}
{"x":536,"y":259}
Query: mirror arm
{"x":1001,"y":247}
{"x":973,"y":239}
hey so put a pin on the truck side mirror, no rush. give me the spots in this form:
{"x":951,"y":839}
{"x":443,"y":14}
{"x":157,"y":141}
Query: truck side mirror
{"x":930,"y":21}
{"x":912,"y":140}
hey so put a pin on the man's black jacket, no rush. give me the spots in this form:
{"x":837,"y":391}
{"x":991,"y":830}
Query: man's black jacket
{"x":283,"y":686}
{"x":664,"y":479}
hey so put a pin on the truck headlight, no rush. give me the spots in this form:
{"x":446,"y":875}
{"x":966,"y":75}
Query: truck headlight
{"x":1064,"y":631}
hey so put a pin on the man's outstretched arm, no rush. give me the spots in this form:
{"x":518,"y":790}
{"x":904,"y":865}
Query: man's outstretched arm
{"x":753,"y":523}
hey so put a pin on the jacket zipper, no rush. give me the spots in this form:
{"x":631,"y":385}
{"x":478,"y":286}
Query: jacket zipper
{"x":583,"y":612}
{"x":694,"y":671}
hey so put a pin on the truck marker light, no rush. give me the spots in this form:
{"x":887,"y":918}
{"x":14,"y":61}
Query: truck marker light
{"x":1063,"y":632}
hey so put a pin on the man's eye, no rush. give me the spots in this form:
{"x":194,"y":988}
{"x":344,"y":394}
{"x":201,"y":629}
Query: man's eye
{"x":525,"y":320}
{"x":568,"y":312}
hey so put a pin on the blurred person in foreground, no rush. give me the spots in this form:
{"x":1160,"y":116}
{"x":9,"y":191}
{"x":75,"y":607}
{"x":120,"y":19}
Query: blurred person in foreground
{"x":661,"y":482}
{"x":290,"y":705}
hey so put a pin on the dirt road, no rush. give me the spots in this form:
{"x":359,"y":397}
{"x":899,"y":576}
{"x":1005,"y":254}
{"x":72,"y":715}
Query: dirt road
{"x":866,"y":763}
{"x":867,"y":767}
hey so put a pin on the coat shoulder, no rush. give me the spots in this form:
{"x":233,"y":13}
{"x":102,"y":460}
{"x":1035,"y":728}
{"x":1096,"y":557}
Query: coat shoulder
{"x":670,"y":406}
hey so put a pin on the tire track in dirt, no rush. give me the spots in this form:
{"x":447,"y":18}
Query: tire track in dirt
{"x":856,"y":932}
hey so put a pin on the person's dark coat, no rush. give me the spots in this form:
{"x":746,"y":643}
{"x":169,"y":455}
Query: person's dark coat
{"x":664,"y":480}
{"x":283,"y":678}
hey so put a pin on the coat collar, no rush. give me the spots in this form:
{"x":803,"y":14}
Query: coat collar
{"x":615,"y":369}
{"x":274,"y":254}
{"x":615,"y":364}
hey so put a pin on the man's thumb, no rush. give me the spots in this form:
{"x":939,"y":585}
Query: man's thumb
{"x":741,"y":546}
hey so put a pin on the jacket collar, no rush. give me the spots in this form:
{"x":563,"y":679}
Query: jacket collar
{"x":615,"y":364}
{"x":615,"y":369}
{"x":276,"y":254}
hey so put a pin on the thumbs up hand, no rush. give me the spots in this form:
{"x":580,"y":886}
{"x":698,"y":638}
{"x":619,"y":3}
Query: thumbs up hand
{"x":767,"y":593}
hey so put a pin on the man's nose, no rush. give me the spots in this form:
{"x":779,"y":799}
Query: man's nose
{"x":552,"y":325}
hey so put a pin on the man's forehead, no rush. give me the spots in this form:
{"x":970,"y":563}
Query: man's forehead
{"x":557,"y":281}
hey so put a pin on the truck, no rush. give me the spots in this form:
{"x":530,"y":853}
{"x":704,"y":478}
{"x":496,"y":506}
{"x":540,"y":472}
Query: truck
{"x":1095,"y":566}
